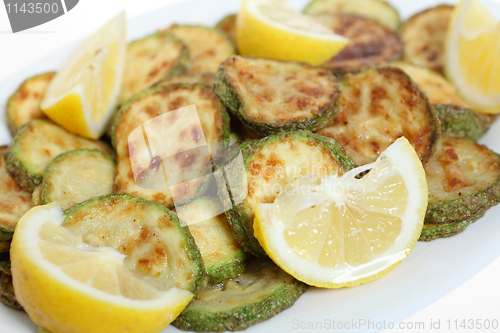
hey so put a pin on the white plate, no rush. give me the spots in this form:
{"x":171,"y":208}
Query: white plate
{"x":431,"y":271}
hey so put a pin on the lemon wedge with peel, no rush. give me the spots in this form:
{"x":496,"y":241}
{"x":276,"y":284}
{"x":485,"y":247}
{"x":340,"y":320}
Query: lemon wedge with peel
{"x":66,"y":285}
{"x":472,"y":55}
{"x":346,"y":231}
{"x":83,"y":94}
{"x":271,"y":29}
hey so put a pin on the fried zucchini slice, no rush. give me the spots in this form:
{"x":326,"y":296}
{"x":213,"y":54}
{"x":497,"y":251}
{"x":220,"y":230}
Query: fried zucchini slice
{"x":377,"y":10}
{"x":7,"y":296}
{"x":236,"y":304}
{"x":461,"y":121}
{"x":270,"y":96}
{"x":432,"y":231}
{"x":270,"y":165}
{"x":189,"y":78}
{"x":370,"y":43}
{"x":24,"y":104}
{"x":151,"y":59}
{"x":424,"y":35}
{"x":36,"y":144}
{"x":36,"y":196}
{"x":222,"y":256}
{"x":208,"y":47}
{"x":463,"y":180}
{"x":190,"y":163}
{"x":228,"y":25}
{"x":150,"y":235}
{"x":377,"y":106}
{"x":76,"y":176}
{"x":436,"y":87}
{"x":14,"y":200}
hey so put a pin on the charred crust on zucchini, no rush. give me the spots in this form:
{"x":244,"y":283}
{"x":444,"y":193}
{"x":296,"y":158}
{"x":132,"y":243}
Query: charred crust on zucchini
{"x":377,"y":106}
{"x":370,"y":43}
{"x":270,"y":96}
{"x":424,"y":36}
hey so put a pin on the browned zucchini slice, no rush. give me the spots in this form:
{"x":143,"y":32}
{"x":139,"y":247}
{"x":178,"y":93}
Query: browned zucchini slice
{"x":14,"y":200}
{"x":76,"y":176}
{"x":151,"y":59}
{"x":370,"y":43}
{"x":190,"y":78}
{"x":189,"y":163}
{"x":423,"y":36}
{"x":24,"y":104}
{"x":377,"y":106}
{"x":270,"y":96}
{"x":377,"y":10}
{"x":36,"y":144}
{"x":463,"y":179}
{"x":228,"y":25}
{"x":270,"y":165}
{"x":207,"y":47}
{"x":436,"y":87}
{"x":150,"y":235}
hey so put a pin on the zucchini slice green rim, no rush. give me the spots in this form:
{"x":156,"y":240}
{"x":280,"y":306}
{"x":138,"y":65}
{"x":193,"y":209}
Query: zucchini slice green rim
{"x":370,"y":43}
{"x":462,"y":121}
{"x":431,"y":231}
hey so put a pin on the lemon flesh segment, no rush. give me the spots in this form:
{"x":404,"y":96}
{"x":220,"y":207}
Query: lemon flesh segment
{"x":273,"y":30}
{"x":472,"y":61}
{"x":346,"y":231}
{"x":83,"y":94}
{"x":66,"y":285}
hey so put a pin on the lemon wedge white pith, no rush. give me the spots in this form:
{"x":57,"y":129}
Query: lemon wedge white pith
{"x":83,"y":94}
{"x":347,"y":231}
{"x":65,"y":285}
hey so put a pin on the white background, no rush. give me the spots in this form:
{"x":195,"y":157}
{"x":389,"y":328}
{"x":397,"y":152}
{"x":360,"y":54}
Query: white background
{"x":479,"y":298}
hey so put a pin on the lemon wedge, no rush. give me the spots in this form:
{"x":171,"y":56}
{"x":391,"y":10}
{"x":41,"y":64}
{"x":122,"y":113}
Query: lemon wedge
{"x":347,"y":231}
{"x":472,"y":60}
{"x":271,"y":29}
{"x":83,"y":94}
{"x":66,"y":285}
